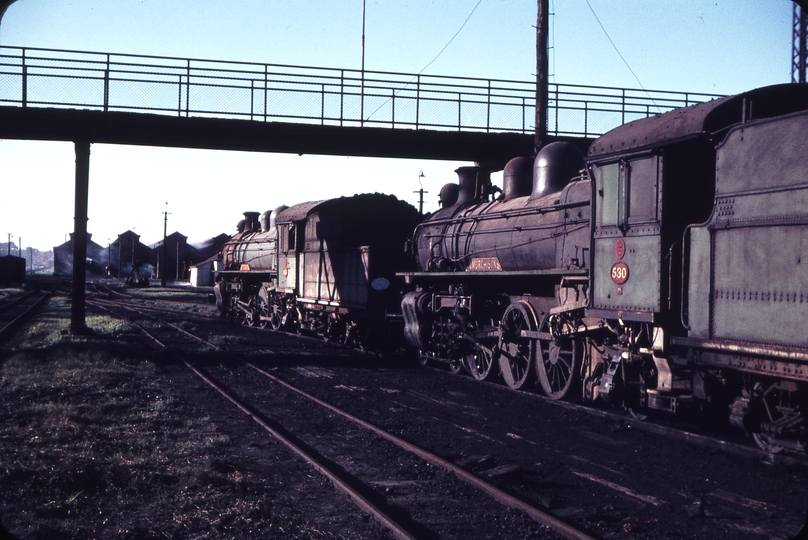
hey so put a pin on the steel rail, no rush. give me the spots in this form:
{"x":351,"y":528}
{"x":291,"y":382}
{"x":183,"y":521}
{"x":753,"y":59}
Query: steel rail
{"x":17,"y":300}
{"x":162,"y":321}
{"x":397,"y":529}
{"x":6,"y":330}
{"x":566,"y":530}
{"x":696,"y":439}
{"x":98,"y":305}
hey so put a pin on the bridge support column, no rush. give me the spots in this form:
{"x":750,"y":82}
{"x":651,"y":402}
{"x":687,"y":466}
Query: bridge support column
{"x":77,"y":309}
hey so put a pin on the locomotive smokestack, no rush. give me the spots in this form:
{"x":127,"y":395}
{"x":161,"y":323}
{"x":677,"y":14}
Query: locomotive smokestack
{"x":251,"y":221}
{"x":473,"y":183}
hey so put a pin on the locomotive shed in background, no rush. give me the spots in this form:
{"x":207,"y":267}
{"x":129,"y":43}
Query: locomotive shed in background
{"x":84,"y":127}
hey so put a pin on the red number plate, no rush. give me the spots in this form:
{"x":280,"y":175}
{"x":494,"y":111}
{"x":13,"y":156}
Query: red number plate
{"x":619,"y":273}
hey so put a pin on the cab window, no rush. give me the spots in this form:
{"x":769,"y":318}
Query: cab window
{"x":628,"y":192}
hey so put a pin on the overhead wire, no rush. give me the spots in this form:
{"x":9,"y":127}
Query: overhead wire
{"x":433,"y":60}
{"x":619,"y":53}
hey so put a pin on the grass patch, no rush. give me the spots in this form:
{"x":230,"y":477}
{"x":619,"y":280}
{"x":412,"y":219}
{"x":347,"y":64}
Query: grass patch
{"x":96,"y":444}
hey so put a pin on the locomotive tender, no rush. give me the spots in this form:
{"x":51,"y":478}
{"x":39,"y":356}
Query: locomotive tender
{"x":666,"y":270}
{"x":323,"y":267}
{"x":671,"y":272}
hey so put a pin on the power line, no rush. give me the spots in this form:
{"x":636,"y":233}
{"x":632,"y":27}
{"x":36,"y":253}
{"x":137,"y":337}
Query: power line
{"x":453,"y":37}
{"x":433,"y":60}
{"x":618,"y":52}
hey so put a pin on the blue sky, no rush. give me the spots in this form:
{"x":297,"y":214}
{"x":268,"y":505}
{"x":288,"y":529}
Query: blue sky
{"x":718,"y":46}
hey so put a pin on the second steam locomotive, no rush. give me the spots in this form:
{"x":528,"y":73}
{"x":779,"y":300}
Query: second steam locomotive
{"x":666,"y":270}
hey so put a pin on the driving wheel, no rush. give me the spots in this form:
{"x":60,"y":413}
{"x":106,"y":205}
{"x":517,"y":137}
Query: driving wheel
{"x":558,"y":364}
{"x":516,"y":352}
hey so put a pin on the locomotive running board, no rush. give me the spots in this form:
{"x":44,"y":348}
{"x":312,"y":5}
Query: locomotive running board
{"x":772,"y":351}
{"x":771,"y":361}
{"x":408,"y":276}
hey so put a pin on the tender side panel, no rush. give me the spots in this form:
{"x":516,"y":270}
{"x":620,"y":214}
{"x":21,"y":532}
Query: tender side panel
{"x":339,"y":276}
{"x":761,"y":284}
{"x":749,"y":264}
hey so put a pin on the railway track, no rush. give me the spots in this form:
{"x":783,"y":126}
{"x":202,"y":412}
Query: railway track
{"x":358,"y":469}
{"x":729,"y":444}
{"x":272,"y":403}
{"x":20,"y":308}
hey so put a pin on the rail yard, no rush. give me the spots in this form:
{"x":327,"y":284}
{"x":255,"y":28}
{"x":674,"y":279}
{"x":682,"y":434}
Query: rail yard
{"x":117,"y":435}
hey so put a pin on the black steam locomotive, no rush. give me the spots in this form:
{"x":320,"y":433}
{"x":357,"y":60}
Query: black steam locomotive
{"x":666,"y":270}
{"x":671,"y":273}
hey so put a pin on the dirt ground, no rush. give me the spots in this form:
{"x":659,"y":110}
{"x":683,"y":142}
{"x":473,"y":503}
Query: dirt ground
{"x":95,"y":443}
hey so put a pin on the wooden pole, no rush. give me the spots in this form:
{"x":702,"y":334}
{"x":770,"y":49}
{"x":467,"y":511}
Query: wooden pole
{"x":542,"y":67}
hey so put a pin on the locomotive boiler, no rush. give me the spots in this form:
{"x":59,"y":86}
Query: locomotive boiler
{"x":323,"y":267}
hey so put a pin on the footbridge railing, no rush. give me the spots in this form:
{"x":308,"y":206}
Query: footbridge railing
{"x":33,"y":77}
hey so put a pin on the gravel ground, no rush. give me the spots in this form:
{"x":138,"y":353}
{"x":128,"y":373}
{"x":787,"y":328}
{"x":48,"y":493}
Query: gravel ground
{"x":102,"y":439}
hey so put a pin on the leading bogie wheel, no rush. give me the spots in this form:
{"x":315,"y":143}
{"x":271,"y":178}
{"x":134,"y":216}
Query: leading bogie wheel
{"x":456,"y":365}
{"x":479,"y":363}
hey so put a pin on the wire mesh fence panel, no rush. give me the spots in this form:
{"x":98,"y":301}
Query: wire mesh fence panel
{"x":406,"y":110}
{"x":509,"y":117}
{"x":138,"y":96}
{"x":10,"y":85}
{"x":46,"y":90}
{"x":207,"y":99}
{"x":287,"y":104}
{"x":473,"y":115}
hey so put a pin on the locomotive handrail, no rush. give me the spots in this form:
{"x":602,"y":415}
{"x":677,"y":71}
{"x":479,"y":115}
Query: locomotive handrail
{"x":499,"y":273}
{"x":38,"y":77}
{"x":508,"y":213}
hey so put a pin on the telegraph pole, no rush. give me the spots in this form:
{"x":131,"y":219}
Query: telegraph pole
{"x":163,"y":265}
{"x":542,"y":67}
{"x":77,"y":308}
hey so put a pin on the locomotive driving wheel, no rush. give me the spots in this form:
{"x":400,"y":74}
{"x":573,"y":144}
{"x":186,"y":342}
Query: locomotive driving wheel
{"x":516,"y":352}
{"x":275,"y":312}
{"x":262,"y":309}
{"x":558,"y":364}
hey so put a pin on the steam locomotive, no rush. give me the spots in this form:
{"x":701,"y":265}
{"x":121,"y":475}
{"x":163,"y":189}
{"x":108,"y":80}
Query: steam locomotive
{"x":671,"y":274}
{"x":666,"y":270}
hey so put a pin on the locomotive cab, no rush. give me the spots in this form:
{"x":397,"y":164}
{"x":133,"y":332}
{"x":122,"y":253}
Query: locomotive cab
{"x":676,"y":225}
